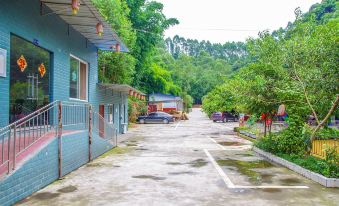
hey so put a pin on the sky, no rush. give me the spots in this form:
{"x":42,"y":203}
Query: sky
{"x":220,"y":21}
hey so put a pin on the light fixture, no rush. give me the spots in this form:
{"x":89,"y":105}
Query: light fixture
{"x":100,"y":29}
{"x":75,"y":6}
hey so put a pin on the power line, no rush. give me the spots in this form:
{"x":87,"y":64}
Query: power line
{"x":218,"y":29}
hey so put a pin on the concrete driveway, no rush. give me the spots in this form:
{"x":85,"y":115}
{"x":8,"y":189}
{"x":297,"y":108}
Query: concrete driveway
{"x":195,"y":162}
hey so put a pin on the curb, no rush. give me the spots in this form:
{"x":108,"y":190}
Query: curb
{"x":248,"y":134}
{"x":327,"y":182}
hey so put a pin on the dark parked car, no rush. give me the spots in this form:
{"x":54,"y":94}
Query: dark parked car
{"x":156,"y":117}
{"x":224,"y":117}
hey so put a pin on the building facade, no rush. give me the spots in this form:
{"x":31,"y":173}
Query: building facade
{"x":164,"y":102}
{"x":59,"y":60}
{"x":55,"y":115}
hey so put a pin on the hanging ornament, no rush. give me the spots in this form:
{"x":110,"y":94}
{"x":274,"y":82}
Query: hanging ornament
{"x":22,"y":63}
{"x":75,"y":6}
{"x":42,"y":70}
{"x":117,"y":47}
{"x":100,"y":29}
{"x":130,"y":92}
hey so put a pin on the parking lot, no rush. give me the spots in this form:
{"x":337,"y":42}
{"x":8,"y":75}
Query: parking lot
{"x":194,"y":162}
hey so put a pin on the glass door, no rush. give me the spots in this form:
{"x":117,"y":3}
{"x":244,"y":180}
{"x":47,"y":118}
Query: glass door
{"x":29,"y":78}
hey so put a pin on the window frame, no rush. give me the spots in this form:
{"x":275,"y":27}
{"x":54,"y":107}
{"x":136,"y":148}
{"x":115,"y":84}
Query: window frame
{"x":79,"y":85}
{"x":110,"y":108}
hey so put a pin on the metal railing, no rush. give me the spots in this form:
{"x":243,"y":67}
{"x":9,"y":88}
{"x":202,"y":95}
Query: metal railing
{"x":104,"y":129}
{"x":17,"y":137}
{"x":20,"y":135}
{"x":75,"y":115}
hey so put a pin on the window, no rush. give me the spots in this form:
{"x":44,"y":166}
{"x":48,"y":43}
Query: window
{"x":29,"y":87}
{"x":78,"y":79}
{"x":153,"y":115}
{"x":110,"y":113}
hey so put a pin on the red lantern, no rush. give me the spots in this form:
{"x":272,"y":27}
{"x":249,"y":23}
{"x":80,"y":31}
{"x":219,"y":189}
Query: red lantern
{"x":100,"y":29}
{"x":75,"y":6}
{"x":135,"y":94}
{"x":130,"y":92}
{"x":117,"y":47}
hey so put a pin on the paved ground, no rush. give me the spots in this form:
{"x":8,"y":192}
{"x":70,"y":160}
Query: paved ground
{"x":195,"y":162}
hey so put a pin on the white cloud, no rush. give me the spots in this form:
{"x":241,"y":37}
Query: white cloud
{"x":230,"y":20}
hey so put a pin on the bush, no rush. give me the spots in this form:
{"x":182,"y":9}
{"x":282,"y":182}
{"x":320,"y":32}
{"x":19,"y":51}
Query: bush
{"x":136,"y":107}
{"x":328,"y":133}
{"x":324,"y":167}
{"x":288,"y":141}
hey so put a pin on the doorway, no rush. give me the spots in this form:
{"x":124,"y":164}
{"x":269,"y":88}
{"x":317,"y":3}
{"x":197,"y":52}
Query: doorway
{"x":102,"y":121}
{"x":30,"y":67}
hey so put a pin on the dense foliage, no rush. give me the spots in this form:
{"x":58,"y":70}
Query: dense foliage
{"x":297,"y":67}
{"x":178,"y":66}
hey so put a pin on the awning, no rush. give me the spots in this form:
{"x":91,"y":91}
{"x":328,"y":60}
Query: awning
{"x":121,"y":88}
{"x":165,"y":101}
{"x":85,"y":22}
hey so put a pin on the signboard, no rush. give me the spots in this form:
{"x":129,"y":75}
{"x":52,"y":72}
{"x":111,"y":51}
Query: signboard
{"x":3,"y":58}
{"x":241,"y":120}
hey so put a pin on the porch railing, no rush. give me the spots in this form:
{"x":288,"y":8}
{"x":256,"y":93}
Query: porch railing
{"x":22,"y":134}
{"x":48,"y":122}
{"x":105,"y":129}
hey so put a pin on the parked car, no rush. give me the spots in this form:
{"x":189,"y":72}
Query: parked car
{"x":230,"y":117}
{"x":224,"y":117}
{"x":156,"y":117}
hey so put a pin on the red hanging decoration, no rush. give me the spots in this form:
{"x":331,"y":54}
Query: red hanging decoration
{"x":100,"y":29}
{"x":117,"y":47}
{"x":22,"y":63}
{"x":75,"y":6}
{"x":42,"y":70}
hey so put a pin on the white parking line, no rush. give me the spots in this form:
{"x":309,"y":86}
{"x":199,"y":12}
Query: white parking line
{"x":230,"y":184}
{"x":271,"y":187}
{"x":224,"y":177}
{"x":177,"y":125}
{"x":213,"y":140}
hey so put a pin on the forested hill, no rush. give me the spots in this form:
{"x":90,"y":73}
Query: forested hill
{"x":235,"y":53}
{"x":178,"y":66}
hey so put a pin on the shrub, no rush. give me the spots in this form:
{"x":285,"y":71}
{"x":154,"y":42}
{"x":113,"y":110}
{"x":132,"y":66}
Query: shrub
{"x":288,"y":141}
{"x":314,"y":164}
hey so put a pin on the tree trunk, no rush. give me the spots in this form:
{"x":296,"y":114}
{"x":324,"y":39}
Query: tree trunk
{"x":330,"y":112}
{"x":265,"y":127}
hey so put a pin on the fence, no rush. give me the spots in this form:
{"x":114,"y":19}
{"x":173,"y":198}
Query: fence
{"x":319,"y":147}
{"x":53,"y":120}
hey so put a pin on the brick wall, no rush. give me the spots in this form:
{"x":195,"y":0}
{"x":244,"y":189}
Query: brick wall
{"x":23,"y":19}
{"x":74,"y":151}
{"x":34,"y":174}
{"x":41,"y":168}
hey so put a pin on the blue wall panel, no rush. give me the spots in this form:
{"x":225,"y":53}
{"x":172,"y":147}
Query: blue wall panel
{"x":99,"y":146}
{"x":23,"y":19}
{"x":42,"y":168}
{"x":36,"y":173}
{"x":74,"y":151}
